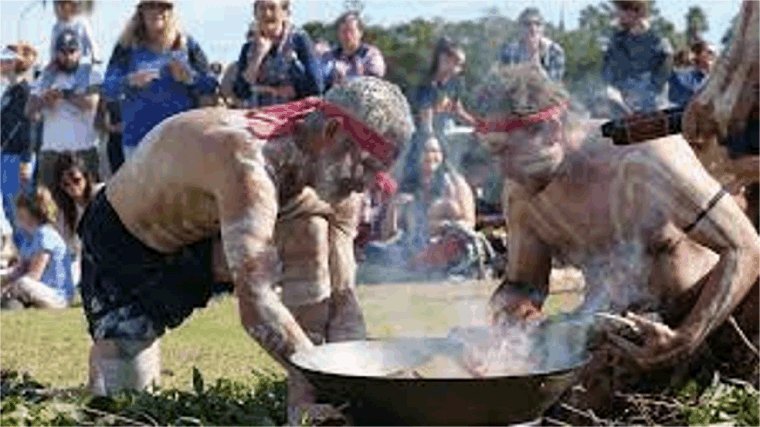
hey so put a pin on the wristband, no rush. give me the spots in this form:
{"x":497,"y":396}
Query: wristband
{"x":528,"y":290}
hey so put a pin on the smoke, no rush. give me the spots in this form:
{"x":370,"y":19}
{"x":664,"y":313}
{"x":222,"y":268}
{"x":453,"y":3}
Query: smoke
{"x":616,"y":280}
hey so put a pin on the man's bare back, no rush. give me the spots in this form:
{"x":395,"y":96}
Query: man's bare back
{"x":291,"y":192}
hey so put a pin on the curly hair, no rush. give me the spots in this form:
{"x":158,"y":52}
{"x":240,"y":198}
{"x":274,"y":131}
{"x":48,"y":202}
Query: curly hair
{"x":40,"y":204}
{"x":518,"y":90}
{"x":377,"y":103}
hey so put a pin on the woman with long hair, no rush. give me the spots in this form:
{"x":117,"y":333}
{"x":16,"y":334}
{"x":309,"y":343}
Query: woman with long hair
{"x":156,"y":70}
{"x":43,"y":277}
{"x":439,"y":98}
{"x":74,"y":189}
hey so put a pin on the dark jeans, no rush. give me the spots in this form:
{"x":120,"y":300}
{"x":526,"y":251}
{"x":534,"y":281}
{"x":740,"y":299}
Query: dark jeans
{"x":115,"y":153}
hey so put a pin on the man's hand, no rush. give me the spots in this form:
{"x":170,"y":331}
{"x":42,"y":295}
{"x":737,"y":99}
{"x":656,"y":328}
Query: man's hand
{"x":506,"y":304}
{"x":180,"y":72}
{"x":261,"y":46}
{"x":25,"y":174}
{"x":51,"y":97}
{"x":662,"y":345}
{"x":140,"y":79}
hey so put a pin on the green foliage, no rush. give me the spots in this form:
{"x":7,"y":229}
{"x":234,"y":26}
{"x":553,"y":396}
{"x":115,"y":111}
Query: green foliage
{"x":26,"y":402}
{"x":408,"y":46}
{"x":736,"y":403}
{"x":696,"y":23}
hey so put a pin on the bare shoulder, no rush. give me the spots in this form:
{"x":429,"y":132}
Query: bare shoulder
{"x":670,"y":155}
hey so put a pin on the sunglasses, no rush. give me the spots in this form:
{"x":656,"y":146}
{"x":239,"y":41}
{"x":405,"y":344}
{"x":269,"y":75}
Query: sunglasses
{"x":72,"y":180}
{"x":68,"y":51}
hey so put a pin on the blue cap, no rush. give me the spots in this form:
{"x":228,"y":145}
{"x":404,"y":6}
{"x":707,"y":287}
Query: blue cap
{"x":68,"y":39}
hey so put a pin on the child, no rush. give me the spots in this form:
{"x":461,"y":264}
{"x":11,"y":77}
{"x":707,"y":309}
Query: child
{"x":69,"y":16}
{"x":43,"y":277}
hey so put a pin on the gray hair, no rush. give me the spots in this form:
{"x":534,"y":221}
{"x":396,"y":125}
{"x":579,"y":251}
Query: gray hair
{"x":378,"y":104}
{"x":530,"y":14}
{"x":519,"y":89}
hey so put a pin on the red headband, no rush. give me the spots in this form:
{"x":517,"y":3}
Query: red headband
{"x":280,"y":120}
{"x":508,"y":123}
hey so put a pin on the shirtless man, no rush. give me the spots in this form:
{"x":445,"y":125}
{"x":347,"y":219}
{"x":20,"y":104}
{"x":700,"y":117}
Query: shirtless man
{"x":648,"y":226}
{"x":149,"y":238}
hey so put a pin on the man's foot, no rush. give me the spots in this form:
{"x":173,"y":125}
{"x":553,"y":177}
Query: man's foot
{"x":11,"y":304}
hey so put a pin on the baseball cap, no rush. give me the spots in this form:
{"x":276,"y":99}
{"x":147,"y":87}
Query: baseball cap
{"x":68,"y":39}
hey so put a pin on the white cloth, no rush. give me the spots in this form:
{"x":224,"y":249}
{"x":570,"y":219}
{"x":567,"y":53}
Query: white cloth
{"x":65,"y":126}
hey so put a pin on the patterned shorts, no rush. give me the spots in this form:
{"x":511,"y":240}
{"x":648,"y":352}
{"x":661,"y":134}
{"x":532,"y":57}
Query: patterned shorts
{"x":130,"y":291}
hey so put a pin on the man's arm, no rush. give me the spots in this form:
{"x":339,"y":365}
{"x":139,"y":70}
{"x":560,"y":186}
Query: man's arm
{"x":692,"y":199}
{"x":85,"y":102}
{"x":375,"y":63}
{"x":524,"y":289}
{"x":248,"y":211}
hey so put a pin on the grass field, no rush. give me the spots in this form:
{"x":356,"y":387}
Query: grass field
{"x":53,"y":345}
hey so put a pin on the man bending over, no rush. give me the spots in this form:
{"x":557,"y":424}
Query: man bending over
{"x":648,"y":226}
{"x":282,"y":179}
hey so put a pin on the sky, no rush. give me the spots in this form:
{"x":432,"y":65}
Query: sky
{"x":219,"y":25}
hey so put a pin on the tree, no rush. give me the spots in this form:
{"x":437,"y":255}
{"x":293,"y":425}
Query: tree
{"x":696,"y":24}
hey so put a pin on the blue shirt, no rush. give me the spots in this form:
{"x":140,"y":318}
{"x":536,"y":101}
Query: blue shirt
{"x":639,"y":66}
{"x":683,"y":84}
{"x":143,"y":108}
{"x":57,"y":274}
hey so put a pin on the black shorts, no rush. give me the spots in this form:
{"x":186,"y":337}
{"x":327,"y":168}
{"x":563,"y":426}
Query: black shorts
{"x":131,"y":291}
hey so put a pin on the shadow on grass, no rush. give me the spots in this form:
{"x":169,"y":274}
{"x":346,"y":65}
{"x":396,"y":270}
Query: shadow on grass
{"x":27,"y":402}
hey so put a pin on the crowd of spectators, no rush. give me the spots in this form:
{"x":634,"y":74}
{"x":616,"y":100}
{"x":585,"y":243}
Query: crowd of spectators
{"x":69,"y":129}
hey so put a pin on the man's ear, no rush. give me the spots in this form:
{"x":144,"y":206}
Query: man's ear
{"x":331,"y":130}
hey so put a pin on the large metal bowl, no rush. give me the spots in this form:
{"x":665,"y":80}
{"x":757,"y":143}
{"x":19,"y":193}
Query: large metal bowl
{"x":355,"y":373}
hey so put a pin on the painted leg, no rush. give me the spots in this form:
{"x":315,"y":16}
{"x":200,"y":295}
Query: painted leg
{"x":117,"y":365}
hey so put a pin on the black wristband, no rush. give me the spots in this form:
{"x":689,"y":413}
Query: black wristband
{"x":524,"y":288}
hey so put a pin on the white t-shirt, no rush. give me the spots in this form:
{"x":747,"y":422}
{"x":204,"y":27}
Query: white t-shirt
{"x":66,"y":127}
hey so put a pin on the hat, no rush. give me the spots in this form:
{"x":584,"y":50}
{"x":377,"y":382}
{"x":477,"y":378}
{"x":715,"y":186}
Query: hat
{"x":68,"y":39}
{"x":168,"y":2}
{"x":8,"y":55}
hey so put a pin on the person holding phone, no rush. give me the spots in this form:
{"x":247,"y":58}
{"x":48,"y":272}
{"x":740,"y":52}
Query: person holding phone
{"x":64,"y":99}
{"x":155,"y":71}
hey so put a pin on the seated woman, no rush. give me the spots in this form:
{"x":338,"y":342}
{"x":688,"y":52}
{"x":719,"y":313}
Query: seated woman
{"x":74,"y":189}
{"x":432,"y":221}
{"x":43,"y":276}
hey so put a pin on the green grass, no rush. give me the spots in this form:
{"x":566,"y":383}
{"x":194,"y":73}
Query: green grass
{"x":53,"y":346}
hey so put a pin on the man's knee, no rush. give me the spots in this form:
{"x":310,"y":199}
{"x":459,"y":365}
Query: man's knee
{"x":346,"y":321}
{"x":123,"y":364}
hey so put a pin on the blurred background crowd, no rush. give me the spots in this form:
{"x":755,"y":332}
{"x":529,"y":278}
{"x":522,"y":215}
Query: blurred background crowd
{"x":70,"y":123}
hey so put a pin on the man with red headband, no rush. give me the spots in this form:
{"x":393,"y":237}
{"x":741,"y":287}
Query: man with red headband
{"x":651,"y":230}
{"x":281,"y":185}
